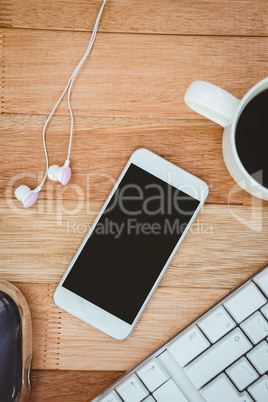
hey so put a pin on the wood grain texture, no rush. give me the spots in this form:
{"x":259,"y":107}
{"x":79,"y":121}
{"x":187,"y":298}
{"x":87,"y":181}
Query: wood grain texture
{"x":128,"y":95}
{"x":70,"y":386}
{"x":61,"y":341}
{"x":2,"y":68}
{"x":101,"y":148}
{"x":229,"y":17}
{"x":126,"y":75}
{"x":38,"y":244}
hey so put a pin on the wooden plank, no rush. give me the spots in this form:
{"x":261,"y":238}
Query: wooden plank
{"x":131,"y":76}
{"x":37,"y":245}
{"x":229,"y":17}
{"x":70,"y":386}
{"x":61,"y":341}
{"x":101,"y":148}
{"x":114,"y":81}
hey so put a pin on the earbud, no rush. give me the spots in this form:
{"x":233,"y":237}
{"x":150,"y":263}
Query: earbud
{"x":61,"y":174}
{"x":56,"y":173}
{"x":27,"y":196}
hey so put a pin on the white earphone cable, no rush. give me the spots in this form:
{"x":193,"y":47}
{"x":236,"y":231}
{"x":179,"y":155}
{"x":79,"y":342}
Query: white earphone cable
{"x":69,"y":85}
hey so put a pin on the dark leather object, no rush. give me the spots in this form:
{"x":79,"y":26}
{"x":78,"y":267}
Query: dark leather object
{"x":10,"y":349}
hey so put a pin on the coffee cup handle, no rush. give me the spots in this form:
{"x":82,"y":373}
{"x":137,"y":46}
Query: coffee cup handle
{"x":212,"y":102}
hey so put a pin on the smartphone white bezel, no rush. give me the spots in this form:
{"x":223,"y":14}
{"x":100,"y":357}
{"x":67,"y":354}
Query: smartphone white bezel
{"x":94,"y":315}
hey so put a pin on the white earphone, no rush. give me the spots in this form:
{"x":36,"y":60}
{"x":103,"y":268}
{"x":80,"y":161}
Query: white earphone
{"x":62,"y":174}
{"x":27,"y":196}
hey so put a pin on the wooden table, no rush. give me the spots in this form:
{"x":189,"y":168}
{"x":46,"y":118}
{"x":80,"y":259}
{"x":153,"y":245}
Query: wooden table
{"x":129,"y":94}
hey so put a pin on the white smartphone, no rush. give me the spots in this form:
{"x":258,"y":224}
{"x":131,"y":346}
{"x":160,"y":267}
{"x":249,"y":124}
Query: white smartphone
{"x":131,"y":243}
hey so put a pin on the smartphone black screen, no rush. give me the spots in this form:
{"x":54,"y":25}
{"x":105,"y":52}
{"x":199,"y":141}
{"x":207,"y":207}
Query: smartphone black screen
{"x":131,"y":243}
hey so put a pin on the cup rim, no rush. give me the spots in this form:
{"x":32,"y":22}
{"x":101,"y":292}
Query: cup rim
{"x":244,"y":101}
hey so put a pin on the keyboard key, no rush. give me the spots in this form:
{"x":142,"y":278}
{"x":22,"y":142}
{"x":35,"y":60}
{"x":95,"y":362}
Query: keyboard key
{"x":189,"y":345}
{"x":111,"y":397}
{"x":149,"y":399}
{"x":259,"y":390}
{"x":132,"y":390}
{"x":179,"y":377}
{"x":217,"y":324}
{"x":245,"y":302}
{"x":221,"y":355}
{"x":259,"y":357}
{"x":169,"y":392}
{"x":153,"y":375}
{"x":222,"y":390}
{"x":242,"y":373}
{"x":255,"y":327}
{"x":264,"y":310}
{"x":262,"y":281}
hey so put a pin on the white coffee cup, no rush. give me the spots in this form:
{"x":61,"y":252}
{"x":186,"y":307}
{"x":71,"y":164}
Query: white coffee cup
{"x":225,"y":110}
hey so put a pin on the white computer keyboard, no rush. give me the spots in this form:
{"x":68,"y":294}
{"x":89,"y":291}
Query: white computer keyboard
{"x":220,"y":357}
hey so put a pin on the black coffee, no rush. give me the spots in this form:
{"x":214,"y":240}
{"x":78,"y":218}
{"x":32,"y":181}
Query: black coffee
{"x":252,"y":138}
